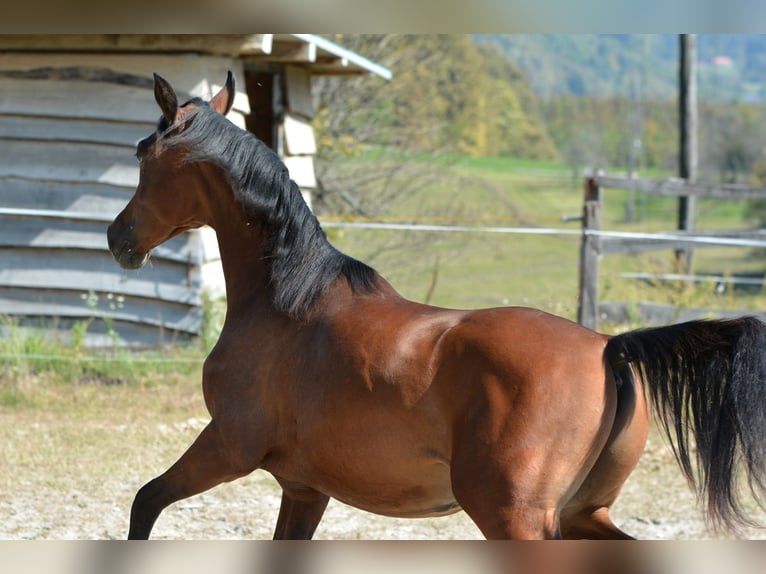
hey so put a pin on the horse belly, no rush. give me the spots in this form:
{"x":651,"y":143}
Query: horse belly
{"x":391,"y":483}
{"x":399,"y":496}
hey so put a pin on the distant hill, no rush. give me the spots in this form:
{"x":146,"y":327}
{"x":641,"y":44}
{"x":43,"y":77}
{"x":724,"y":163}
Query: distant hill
{"x":731,"y":67}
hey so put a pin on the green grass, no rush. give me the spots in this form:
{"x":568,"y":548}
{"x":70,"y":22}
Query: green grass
{"x":510,"y":165}
{"x":36,"y":371}
{"x":480,"y":269}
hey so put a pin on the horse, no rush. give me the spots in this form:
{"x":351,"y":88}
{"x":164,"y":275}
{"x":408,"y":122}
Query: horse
{"x":330,"y":380}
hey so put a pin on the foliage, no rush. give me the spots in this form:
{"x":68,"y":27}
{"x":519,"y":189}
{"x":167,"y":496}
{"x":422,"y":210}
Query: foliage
{"x":447,"y":96}
{"x":731,"y":140}
{"x":32,"y":358}
{"x":603,"y":66}
{"x":492,"y":96}
{"x":757,"y":207}
{"x":609,"y":65}
{"x":610,"y":100}
{"x":447,"y":93}
{"x":29,"y":355}
{"x":597,"y":133}
{"x":213,"y":315}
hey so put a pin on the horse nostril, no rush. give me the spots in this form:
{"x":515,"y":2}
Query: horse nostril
{"x":113,"y":234}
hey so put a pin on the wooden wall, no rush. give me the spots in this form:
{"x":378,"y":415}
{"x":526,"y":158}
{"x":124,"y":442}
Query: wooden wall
{"x":297,"y":144}
{"x":68,"y":128}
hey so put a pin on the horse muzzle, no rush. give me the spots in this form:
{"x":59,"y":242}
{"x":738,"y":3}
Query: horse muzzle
{"x":121,"y":244}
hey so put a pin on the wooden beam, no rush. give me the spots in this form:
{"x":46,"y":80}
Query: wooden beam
{"x":298,"y":91}
{"x":656,"y":314}
{"x":260,"y":87}
{"x":687,"y":153}
{"x":634,"y":246}
{"x":675,"y":187}
{"x":216,"y":44}
{"x":291,"y":53}
{"x":590,"y":255}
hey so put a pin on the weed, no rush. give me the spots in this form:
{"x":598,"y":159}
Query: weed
{"x":213,"y":315}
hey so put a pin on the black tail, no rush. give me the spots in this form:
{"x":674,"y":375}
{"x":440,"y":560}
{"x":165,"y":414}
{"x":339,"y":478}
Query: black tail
{"x":706,"y":380}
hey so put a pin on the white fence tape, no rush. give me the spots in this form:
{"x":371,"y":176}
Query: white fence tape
{"x":701,"y":239}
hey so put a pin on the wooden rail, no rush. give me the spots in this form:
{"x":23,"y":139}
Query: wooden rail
{"x":595,"y":243}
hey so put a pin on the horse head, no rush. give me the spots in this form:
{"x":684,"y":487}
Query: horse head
{"x":170,"y":196}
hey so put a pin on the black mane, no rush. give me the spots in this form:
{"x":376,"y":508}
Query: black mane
{"x":302,"y":262}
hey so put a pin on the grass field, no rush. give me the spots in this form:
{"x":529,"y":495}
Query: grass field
{"x":483,"y":269}
{"x":81,"y":431}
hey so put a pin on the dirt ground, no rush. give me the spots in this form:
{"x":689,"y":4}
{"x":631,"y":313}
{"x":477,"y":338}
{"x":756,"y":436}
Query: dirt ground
{"x":70,"y":502}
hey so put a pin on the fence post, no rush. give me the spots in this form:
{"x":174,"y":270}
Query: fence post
{"x":590,"y":254}
{"x":687,"y":152}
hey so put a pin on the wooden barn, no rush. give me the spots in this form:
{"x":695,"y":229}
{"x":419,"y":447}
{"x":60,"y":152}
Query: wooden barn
{"x":71,"y":111}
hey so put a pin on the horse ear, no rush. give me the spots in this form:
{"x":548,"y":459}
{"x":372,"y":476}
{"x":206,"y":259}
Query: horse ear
{"x":166,"y":98}
{"x":224,"y":99}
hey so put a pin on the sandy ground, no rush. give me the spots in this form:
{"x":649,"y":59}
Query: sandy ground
{"x":248,"y":509}
{"x":49,"y":491}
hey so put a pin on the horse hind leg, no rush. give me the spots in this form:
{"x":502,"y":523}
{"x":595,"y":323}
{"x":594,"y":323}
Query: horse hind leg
{"x":591,"y":524}
{"x":586,"y":515}
{"x":503,"y":496}
{"x":501,"y":510}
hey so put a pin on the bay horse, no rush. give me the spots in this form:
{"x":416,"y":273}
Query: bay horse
{"x":327,"y":378}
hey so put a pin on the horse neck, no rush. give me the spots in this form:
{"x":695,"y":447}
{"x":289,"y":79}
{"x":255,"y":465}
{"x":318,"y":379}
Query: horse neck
{"x":241,"y":245}
{"x":281,"y":262}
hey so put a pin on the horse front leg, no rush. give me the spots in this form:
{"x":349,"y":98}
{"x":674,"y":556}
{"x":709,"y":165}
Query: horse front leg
{"x":300,"y":511}
{"x":204,"y":465}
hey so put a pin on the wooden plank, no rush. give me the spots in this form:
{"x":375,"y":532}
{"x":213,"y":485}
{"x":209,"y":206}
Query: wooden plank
{"x":67,"y":162}
{"x":73,"y":99}
{"x":62,"y":303}
{"x":298,"y":93}
{"x":73,"y":130}
{"x":190,"y":75}
{"x":221,"y":44}
{"x":674,"y":187}
{"x":62,"y":196}
{"x":85,"y":270}
{"x":616,"y":245}
{"x":299,"y":136}
{"x":613,"y":246}
{"x":18,"y":232}
{"x":46,"y":234}
{"x":290,"y":51}
{"x":301,"y":170}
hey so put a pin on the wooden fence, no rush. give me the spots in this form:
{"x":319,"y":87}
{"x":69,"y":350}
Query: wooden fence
{"x":597,"y":242}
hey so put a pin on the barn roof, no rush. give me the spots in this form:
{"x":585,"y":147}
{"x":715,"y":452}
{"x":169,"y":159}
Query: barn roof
{"x":319,"y":55}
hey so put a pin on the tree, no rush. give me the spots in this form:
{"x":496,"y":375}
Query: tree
{"x":447,"y":97}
